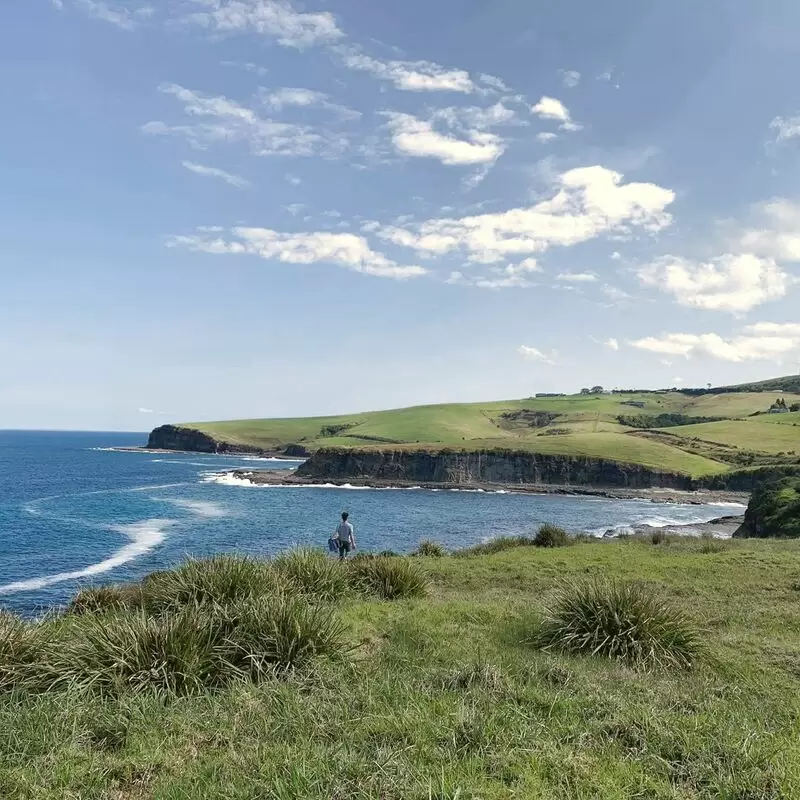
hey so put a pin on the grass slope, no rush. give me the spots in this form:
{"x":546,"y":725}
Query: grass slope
{"x":581,"y":425}
{"x":447,"y":698}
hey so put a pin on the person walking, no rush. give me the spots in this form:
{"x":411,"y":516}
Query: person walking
{"x":345,"y":536}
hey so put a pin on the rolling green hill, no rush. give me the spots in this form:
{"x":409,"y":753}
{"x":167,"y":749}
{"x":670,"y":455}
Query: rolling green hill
{"x":609,"y":426}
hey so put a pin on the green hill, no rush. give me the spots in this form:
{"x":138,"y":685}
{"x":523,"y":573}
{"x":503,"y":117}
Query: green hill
{"x":702,"y":433}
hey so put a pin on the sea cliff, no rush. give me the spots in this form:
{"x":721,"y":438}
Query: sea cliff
{"x":174,"y":437}
{"x":499,"y":467}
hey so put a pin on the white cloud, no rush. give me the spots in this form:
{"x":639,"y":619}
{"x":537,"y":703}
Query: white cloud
{"x":589,"y":202}
{"x":551,"y":108}
{"x":733,"y":283}
{"x":293,"y":180}
{"x":214,"y":172}
{"x":120,"y":16}
{"x":59,"y":4}
{"x":415,"y":137}
{"x":512,"y":276}
{"x":546,"y":136}
{"x":615,"y":256}
{"x":410,"y":76}
{"x":305,"y":98}
{"x":476,"y":118}
{"x":779,"y":236}
{"x":493,"y":82}
{"x":533,"y":354}
{"x":570,"y":78}
{"x":577,"y":277}
{"x":343,"y":249}
{"x":146,"y":411}
{"x":247,"y":66}
{"x":232,"y":122}
{"x":785,"y":128}
{"x":612,"y":344}
{"x":762,"y":341}
{"x":271,"y":18}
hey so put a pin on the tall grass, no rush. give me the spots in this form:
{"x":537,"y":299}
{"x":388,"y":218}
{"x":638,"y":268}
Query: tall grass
{"x":551,"y":536}
{"x":23,"y":645}
{"x":497,"y":545}
{"x":195,"y":647}
{"x":388,"y":578}
{"x":619,"y":620}
{"x":220,"y":579}
{"x":311,"y":572}
{"x":430,"y":549}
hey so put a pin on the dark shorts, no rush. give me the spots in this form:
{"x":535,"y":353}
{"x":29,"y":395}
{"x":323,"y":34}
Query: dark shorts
{"x":344,"y":548}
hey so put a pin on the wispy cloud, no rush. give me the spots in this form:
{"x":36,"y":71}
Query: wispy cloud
{"x":577,"y":277}
{"x":247,"y":66}
{"x":341,"y":249}
{"x":291,"y":97}
{"x":214,"y":172}
{"x":785,"y":128}
{"x":534,"y":354}
{"x":570,"y":78}
{"x":270,"y":18}
{"x":410,"y":76}
{"x":233,"y":122}
{"x":118,"y":15}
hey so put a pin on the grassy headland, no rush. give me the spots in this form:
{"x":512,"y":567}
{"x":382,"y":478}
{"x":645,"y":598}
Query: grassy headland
{"x":479,"y":688}
{"x":616,"y":427}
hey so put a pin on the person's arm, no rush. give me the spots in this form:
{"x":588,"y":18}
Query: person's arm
{"x":353,"y":536}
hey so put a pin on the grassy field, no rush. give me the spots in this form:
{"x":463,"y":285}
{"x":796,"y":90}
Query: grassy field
{"x":756,"y":433}
{"x":448,"y":696}
{"x":576,"y":425}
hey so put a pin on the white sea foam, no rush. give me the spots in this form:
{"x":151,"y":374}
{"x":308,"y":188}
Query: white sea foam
{"x":144,"y":536}
{"x":200,"y":508}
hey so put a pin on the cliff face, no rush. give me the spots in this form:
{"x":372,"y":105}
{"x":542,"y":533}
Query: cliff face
{"x":173,"y":437}
{"x":498,"y":467}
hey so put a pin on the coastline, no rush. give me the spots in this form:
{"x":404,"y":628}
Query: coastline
{"x":655,"y":495}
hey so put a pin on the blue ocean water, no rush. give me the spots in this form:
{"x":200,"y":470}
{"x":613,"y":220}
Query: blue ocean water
{"x":73,"y":512}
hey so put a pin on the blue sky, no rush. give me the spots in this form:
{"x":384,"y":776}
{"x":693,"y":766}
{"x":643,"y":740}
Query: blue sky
{"x":236,"y":208}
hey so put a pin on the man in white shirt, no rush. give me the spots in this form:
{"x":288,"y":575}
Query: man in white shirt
{"x":345,"y":535}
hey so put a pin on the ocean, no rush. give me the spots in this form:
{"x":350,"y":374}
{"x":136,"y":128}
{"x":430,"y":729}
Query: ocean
{"x":75,"y":512}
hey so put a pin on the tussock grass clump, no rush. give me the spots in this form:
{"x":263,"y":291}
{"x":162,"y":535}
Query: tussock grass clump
{"x":108,"y":597}
{"x":23,"y":645}
{"x":551,"y":536}
{"x":710,"y":544}
{"x":497,"y":545}
{"x":658,"y":537}
{"x":220,"y":579}
{"x":619,"y":620}
{"x":430,"y":549}
{"x":281,"y":632}
{"x":312,"y":573}
{"x":388,"y":578}
{"x":188,"y":650}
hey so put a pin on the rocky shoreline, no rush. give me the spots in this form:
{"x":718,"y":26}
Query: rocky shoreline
{"x":655,"y":495}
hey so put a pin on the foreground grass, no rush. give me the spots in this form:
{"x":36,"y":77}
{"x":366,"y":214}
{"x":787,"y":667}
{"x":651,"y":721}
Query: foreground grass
{"x":445,"y":696}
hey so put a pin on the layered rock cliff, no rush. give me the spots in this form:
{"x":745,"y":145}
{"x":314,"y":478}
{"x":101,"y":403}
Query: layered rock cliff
{"x":487,"y":467}
{"x":174,"y":437}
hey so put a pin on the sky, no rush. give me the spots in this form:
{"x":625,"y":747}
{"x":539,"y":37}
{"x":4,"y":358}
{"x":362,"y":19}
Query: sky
{"x":249,"y":208}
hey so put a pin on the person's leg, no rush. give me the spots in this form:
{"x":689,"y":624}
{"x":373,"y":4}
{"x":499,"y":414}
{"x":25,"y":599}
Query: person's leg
{"x":342,"y":550}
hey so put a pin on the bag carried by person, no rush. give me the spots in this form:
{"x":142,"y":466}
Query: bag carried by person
{"x":333,"y":545}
